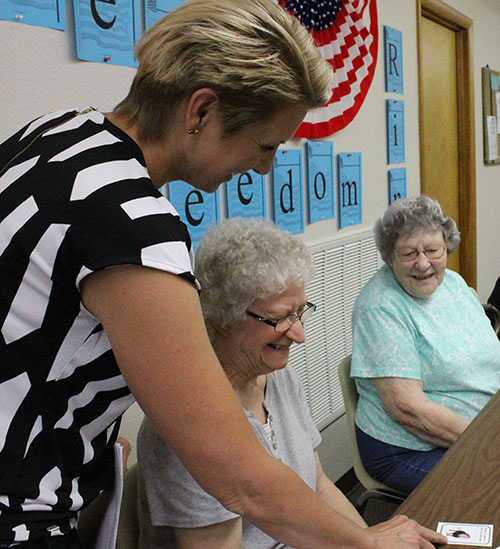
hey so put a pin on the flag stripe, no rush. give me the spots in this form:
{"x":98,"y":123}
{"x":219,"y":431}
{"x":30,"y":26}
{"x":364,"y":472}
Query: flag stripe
{"x":350,"y":45}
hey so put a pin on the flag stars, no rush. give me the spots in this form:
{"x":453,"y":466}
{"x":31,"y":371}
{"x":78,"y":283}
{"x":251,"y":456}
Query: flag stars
{"x":314,"y":14}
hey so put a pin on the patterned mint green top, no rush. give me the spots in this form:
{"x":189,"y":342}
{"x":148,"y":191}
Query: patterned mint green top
{"x":445,"y":340}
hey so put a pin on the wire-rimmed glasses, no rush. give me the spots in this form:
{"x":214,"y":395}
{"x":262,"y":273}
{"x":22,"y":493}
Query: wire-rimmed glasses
{"x":407,"y":255}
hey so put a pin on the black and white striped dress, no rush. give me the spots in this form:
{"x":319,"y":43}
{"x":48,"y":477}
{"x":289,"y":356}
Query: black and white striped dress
{"x":75,"y":197}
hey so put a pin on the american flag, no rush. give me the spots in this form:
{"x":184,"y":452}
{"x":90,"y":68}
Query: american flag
{"x":346,"y":33}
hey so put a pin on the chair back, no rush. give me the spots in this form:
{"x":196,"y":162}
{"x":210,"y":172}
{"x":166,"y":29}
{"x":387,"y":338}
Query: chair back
{"x":128,"y":526}
{"x":351,"y":397}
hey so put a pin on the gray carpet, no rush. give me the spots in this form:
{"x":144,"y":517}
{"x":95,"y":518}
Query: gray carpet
{"x":376,"y":510}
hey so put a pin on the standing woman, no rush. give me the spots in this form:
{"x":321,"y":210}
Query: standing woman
{"x":98,"y":302}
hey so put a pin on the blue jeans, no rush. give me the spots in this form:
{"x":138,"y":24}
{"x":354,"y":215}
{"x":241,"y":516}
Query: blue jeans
{"x":398,"y":468}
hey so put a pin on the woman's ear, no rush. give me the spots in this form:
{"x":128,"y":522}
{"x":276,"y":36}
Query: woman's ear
{"x":216,"y":329}
{"x":200,"y":107}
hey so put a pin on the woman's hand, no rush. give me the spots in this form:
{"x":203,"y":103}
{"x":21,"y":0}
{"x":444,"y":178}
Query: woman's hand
{"x":403,"y":533}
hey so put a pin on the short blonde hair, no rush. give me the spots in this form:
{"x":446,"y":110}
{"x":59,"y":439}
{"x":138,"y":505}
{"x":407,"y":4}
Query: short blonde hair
{"x":252,"y":53}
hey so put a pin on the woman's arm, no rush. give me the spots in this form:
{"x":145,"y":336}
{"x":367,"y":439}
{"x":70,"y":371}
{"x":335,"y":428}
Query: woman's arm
{"x":332,"y":496}
{"x":224,"y":535}
{"x":154,"y":323}
{"x":405,"y":401}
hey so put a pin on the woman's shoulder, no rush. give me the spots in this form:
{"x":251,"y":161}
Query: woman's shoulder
{"x":454,"y":277}
{"x":382,"y":288}
{"x":287,"y":383}
{"x":455,"y":290}
{"x":381,"y":281}
{"x":454,"y":282}
{"x":286,"y":377}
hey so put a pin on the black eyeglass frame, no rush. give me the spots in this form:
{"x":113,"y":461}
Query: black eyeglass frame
{"x":274,"y":323}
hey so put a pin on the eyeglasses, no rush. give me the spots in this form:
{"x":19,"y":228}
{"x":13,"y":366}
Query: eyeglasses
{"x":407,"y":255}
{"x":285,"y":323}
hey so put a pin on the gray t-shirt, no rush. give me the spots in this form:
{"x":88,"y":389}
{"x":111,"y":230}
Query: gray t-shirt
{"x":170,"y":497}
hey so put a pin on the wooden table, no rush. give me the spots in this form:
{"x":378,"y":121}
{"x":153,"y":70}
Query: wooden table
{"x":465,"y":485}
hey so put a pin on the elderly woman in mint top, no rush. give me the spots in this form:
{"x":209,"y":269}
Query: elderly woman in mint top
{"x":425,"y":358}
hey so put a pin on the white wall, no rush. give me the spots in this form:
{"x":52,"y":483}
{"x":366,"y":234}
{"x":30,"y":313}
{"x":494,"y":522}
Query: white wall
{"x":40,"y":73}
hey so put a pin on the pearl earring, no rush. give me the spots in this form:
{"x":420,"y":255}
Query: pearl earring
{"x":193,"y":131}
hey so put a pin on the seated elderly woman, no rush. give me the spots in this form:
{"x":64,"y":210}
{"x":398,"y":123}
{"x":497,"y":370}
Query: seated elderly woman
{"x":253,"y":299}
{"x":425,"y":357}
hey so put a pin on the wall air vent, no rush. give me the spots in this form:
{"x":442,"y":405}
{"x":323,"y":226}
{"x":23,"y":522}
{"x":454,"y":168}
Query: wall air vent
{"x":343,"y":267}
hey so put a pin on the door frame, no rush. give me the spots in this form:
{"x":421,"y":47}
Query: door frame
{"x":445,"y":15}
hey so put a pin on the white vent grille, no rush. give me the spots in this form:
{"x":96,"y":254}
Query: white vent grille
{"x":343,"y":267}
